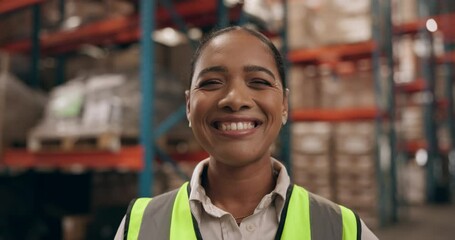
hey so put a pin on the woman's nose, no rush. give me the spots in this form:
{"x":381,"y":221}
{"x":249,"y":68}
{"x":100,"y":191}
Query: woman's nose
{"x":236,"y":98}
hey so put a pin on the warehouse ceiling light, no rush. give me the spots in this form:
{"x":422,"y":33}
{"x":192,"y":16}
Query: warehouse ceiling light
{"x":232,"y":3}
{"x":195,"y":33}
{"x":169,"y":37}
{"x":421,"y":157}
{"x":72,"y":22}
{"x":432,"y":25}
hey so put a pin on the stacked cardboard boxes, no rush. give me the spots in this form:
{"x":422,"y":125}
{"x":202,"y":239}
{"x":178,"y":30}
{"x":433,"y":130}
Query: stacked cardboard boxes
{"x":311,"y":166}
{"x":348,"y":85}
{"x":303,"y":85}
{"x":318,"y":23}
{"x":354,"y":171}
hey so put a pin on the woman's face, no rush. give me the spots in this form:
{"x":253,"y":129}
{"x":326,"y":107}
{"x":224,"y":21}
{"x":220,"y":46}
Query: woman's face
{"x":236,"y":103}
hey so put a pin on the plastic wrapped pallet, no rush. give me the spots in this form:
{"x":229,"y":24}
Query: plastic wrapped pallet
{"x":86,"y":109}
{"x":63,"y":111}
{"x":22,"y":109}
{"x":325,"y":22}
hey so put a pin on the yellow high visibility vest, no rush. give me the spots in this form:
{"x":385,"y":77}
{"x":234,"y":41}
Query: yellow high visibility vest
{"x":175,"y":221}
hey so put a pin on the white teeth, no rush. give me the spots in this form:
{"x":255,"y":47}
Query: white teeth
{"x":234,"y":126}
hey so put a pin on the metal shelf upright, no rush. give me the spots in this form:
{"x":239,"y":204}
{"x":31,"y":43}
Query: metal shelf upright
{"x":386,"y":155}
{"x":147,"y":70}
{"x":285,"y":134}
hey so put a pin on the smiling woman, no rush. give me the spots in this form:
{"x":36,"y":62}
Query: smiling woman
{"x":236,"y":105}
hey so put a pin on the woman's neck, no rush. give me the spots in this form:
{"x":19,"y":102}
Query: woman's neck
{"x":238,"y":190}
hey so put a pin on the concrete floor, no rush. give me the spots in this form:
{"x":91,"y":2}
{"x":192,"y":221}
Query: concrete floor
{"x":429,"y":222}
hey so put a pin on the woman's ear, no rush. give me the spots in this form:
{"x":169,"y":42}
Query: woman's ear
{"x":285,"y":114}
{"x":286,"y":100}
{"x":187,"y":99}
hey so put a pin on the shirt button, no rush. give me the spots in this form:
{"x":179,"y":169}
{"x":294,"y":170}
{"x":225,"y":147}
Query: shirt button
{"x":250,"y":228}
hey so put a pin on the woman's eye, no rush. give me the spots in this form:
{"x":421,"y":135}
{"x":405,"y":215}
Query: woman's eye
{"x":209,"y":84}
{"x":260,"y":82}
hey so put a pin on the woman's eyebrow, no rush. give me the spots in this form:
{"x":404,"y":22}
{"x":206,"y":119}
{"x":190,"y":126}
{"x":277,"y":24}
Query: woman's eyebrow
{"x":218,"y":69}
{"x":255,"y":68}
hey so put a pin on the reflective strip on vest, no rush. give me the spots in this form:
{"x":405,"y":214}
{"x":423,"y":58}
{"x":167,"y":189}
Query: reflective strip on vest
{"x":349,"y":224}
{"x":175,"y":207}
{"x":182,"y":222}
{"x":137,"y":212}
{"x":297,"y":224}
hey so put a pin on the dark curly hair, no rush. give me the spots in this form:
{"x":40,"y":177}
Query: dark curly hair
{"x":276,"y":54}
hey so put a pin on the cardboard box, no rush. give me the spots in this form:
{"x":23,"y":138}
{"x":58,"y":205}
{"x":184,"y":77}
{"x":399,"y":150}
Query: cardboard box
{"x":298,"y":26}
{"x":354,"y":163}
{"x":318,"y":163}
{"x":355,"y":180}
{"x":303,"y":85}
{"x":311,"y":144}
{"x":404,"y":11}
{"x":311,"y":178}
{"x":75,"y":227}
{"x":355,"y":138}
{"x":357,"y":198}
{"x":311,"y":137}
{"x":412,"y":183}
{"x":332,"y":24}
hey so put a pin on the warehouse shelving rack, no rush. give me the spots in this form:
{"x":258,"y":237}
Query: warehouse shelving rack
{"x":435,"y":183}
{"x":119,"y":30}
{"x":10,"y":6}
{"x":203,"y":13}
{"x":381,"y":113}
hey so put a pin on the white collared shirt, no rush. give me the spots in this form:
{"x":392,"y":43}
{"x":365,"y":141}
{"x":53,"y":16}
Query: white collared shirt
{"x":215,"y":223}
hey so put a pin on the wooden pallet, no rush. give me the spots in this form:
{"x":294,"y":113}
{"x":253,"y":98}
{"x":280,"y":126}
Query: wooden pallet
{"x":104,"y":141}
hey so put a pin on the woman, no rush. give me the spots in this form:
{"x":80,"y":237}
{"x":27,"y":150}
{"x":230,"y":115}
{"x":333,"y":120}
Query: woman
{"x":236,"y":105}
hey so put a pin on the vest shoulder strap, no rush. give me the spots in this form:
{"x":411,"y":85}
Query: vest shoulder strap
{"x":332,"y":221}
{"x":155,"y":213}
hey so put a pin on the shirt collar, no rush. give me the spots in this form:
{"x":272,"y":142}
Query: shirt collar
{"x":198,"y":192}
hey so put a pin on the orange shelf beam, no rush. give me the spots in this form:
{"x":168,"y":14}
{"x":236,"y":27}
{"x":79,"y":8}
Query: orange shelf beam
{"x":444,"y":22}
{"x":412,"y":87}
{"x":13,"y":5}
{"x":128,"y":158}
{"x":119,"y":30}
{"x":414,"y":146}
{"x":332,"y":53}
{"x":336,"y":115}
{"x":190,"y":157}
{"x":447,"y":58}
{"x":81,"y":35}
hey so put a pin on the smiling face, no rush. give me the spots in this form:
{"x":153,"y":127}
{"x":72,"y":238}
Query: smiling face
{"x":236,"y":101}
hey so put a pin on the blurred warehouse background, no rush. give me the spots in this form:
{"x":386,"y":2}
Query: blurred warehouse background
{"x":92,"y":107}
